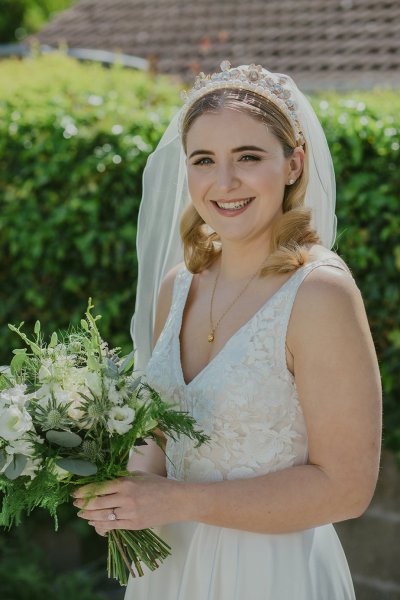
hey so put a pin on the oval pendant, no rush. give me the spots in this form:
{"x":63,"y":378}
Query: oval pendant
{"x":211,"y":337}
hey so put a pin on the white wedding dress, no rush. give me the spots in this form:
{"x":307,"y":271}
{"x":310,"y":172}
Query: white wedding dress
{"x":246,"y":400}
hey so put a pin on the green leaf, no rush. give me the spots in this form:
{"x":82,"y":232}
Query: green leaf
{"x":53,"y":340}
{"x":66,"y":439}
{"x":16,"y":467}
{"x":127,"y":363}
{"x":84,"y":325}
{"x":37,"y":328}
{"x":17,"y":361}
{"x":76,"y":466}
{"x":3,"y":458}
{"x":111,"y":369}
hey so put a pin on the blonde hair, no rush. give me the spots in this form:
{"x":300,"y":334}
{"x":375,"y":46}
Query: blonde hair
{"x":292,"y":232}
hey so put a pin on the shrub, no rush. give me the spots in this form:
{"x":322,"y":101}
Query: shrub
{"x":72,"y":149}
{"x":363,"y":130}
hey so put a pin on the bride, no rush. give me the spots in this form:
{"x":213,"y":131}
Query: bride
{"x":261,"y":334}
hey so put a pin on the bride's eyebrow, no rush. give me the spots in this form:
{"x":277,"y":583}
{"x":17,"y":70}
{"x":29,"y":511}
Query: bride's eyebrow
{"x":234,"y":150}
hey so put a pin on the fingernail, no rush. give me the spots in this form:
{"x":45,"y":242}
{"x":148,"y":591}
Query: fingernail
{"x":91,"y":522}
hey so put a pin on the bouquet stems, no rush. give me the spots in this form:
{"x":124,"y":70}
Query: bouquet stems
{"x":127,"y":547}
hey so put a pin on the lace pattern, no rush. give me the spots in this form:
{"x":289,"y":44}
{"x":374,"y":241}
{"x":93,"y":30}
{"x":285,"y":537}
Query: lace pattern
{"x":245,"y":399}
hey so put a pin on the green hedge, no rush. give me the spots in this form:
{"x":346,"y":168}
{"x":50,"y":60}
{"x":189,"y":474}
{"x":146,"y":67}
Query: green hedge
{"x":72,"y":150}
{"x":363,"y":130}
{"x":74,"y":139}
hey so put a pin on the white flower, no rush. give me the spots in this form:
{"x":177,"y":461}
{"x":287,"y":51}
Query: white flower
{"x":75,"y":401}
{"x":47,"y":371}
{"x":120,"y":419}
{"x":14,"y":423}
{"x":14,"y":396}
{"x":22,"y":446}
{"x":115,"y":396}
{"x":93,"y":383}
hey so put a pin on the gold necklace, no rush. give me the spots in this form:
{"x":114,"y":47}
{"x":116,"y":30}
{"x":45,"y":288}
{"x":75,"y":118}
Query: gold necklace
{"x":213,"y":327}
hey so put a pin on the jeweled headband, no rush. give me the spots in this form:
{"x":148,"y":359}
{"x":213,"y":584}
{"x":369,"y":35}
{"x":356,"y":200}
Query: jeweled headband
{"x":253,"y":78}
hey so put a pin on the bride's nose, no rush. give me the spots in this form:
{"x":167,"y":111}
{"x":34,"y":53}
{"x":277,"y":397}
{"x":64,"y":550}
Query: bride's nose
{"x":226,"y":178}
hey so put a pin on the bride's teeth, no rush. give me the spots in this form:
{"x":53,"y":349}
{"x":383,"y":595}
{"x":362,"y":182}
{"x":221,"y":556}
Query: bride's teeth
{"x":234,"y":206}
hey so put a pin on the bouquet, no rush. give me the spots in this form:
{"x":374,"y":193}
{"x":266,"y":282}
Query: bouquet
{"x":70,"y":413}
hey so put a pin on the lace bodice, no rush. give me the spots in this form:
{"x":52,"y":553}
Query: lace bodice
{"x":245,"y":399}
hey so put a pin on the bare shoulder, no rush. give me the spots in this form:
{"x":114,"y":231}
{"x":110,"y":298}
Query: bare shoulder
{"x":328,"y":299}
{"x":164,"y":301}
{"x":318,"y":252}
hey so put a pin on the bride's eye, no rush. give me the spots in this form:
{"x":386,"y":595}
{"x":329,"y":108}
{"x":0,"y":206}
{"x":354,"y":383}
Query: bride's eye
{"x":249,"y":157}
{"x":203,"y":161}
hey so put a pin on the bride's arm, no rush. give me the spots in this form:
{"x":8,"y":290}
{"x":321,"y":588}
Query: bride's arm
{"x":338,"y":385}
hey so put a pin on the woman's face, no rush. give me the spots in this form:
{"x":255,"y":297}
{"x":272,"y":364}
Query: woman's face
{"x":237,"y":174}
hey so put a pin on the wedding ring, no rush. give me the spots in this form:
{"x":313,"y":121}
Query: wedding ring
{"x":112,"y":516}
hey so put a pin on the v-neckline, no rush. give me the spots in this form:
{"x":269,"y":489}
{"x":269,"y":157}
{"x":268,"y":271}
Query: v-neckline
{"x":230,"y":339}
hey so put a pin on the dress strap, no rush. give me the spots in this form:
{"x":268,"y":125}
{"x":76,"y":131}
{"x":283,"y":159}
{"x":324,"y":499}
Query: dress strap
{"x":181,"y":287}
{"x":290,"y":297}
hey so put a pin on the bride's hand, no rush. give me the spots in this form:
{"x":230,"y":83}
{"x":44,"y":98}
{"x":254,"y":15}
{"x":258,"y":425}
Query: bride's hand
{"x":145,"y":500}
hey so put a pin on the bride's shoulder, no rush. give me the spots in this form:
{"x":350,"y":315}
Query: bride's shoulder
{"x":329,"y":285}
{"x":318,"y":252}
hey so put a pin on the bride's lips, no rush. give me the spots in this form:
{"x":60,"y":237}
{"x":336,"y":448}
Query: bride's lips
{"x":232,"y":212}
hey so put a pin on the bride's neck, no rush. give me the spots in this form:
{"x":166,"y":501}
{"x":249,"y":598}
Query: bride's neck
{"x":239,"y":262}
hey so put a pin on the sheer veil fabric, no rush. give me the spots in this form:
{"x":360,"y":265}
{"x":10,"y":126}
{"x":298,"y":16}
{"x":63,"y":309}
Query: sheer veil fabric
{"x":165,"y":194}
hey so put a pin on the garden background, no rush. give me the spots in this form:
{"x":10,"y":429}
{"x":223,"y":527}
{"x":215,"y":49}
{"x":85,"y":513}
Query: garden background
{"x":74,"y":139}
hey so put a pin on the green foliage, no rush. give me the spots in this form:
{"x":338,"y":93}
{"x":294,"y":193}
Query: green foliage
{"x":18,"y":18}
{"x":72,"y":150}
{"x":25,"y":574}
{"x":363,"y":130}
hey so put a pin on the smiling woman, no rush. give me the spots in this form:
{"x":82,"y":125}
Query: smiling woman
{"x":261,"y":335}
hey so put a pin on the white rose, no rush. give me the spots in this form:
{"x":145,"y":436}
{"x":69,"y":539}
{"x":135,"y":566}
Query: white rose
{"x":14,"y":423}
{"x":93,"y":383}
{"x":120,"y":419}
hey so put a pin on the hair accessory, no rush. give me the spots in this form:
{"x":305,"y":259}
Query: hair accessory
{"x":247,"y":77}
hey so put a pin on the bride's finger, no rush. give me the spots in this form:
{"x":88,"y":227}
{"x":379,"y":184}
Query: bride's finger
{"x":97,"y":503}
{"x":109,"y":515}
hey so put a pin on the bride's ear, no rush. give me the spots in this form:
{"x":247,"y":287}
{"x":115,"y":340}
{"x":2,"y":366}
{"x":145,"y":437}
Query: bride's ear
{"x":296,"y":163}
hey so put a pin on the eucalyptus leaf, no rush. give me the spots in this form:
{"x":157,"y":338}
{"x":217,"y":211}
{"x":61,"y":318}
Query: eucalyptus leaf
{"x":16,"y":467}
{"x":66,"y":439}
{"x":111,"y":369}
{"x":127,"y":363}
{"x":76,"y":466}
